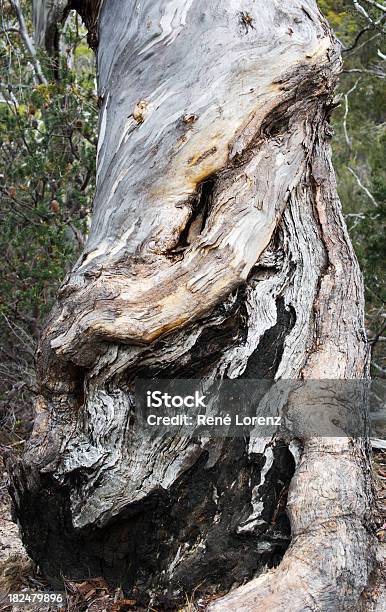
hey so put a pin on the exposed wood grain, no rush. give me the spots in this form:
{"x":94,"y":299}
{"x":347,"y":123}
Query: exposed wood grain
{"x":150,"y":171}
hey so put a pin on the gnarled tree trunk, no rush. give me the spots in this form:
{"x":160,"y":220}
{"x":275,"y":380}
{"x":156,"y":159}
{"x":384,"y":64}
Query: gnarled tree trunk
{"x":217,"y":250}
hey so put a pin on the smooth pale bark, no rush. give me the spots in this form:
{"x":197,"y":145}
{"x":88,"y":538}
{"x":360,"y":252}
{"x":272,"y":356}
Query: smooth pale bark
{"x":217,"y":249}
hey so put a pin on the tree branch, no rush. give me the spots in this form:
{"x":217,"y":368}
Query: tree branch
{"x":357,"y":38}
{"x":346,"y":95}
{"x":361,"y":185}
{"x":376,"y":73}
{"x":379,"y":6}
{"x":362,"y":11}
{"x":28,"y":42}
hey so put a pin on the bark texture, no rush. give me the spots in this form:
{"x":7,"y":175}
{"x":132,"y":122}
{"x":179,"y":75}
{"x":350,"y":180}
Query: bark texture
{"x":218,"y":250}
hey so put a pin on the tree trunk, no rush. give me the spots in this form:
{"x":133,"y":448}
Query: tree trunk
{"x":217,"y":251}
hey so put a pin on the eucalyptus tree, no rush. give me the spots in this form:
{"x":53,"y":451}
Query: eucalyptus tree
{"x":217,"y":251}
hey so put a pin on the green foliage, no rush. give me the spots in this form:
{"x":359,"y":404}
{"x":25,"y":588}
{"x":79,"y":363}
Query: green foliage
{"x":48,"y":139}
{"x":47,"y":165}
{"x":341,"y":16}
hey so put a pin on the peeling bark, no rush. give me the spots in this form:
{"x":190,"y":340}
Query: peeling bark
{"x":218,"y":250}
